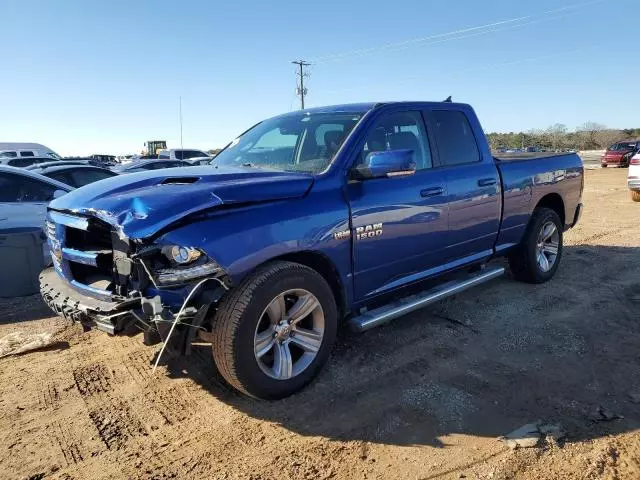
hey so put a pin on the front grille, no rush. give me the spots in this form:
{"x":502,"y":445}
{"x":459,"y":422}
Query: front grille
{"x":82,"y":252}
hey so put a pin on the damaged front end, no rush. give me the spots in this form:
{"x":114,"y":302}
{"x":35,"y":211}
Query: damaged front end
{"x":105,"y":280}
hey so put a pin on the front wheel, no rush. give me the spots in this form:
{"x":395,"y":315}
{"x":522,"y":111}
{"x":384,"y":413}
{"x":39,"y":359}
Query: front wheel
{"x":275,"y":331}
{"x":537,"y":257}
{"x":635,"y":195}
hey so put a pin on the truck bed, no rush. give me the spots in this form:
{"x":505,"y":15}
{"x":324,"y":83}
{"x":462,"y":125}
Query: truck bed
{"x":527,"y":180}
{"x":506,"y":157}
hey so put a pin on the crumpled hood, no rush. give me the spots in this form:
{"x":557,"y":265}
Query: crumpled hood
{"x":140,"y":204}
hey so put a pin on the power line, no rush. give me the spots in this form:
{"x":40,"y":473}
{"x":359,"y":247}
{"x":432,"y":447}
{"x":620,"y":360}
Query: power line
{"x":301,"y":90}
{"x":408,"y":80}
{"x":455,"y":34}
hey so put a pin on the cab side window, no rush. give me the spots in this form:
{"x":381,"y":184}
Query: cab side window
{"x":16,"y":188}
{"x":454,"y":137}
{"x":400,"y":131}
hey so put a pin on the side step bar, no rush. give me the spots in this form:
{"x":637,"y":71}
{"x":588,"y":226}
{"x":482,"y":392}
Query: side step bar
{"x":386,"y":313}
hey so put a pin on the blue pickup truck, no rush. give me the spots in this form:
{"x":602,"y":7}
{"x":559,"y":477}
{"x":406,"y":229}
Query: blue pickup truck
{"x":351,"y":214}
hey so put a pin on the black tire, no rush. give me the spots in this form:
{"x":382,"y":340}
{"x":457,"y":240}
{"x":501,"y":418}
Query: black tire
{"x":604,"y":165}
{"x":523,"y":260}
{"x":237,"y":319}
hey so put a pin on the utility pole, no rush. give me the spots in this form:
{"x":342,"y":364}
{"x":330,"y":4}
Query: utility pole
{"x":181,"y":122}
{"x":300,"y":90}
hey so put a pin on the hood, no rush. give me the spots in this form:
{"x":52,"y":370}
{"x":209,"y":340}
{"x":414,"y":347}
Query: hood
{"x":140,"y":204}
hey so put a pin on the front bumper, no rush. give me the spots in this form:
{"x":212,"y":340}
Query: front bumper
{"x":133,"y":315}
{"x":634,"y":184}
{"x":614,"y":162}
{"x":110,"y":317}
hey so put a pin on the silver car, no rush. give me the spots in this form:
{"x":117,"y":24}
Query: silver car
{"x":24,"y":197}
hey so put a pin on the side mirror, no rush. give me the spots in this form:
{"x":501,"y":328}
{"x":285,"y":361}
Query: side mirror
{"x":58,"y":193}
{"x":391,"y":163}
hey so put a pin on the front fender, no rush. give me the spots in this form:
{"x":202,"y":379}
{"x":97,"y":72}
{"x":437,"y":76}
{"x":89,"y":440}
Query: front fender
{"x":241,"y":239}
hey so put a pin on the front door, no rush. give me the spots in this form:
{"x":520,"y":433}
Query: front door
{"x":399,"y":224}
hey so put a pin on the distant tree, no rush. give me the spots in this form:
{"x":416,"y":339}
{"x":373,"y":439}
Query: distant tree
{"x":214,"y":151}
{"x":556,"y":134}
{"x":588,"y":133}
{"x":588,"y":136}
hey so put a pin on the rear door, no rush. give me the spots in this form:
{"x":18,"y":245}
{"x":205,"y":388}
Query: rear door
{"x":473,"y":183}
{"x":399,"y":224}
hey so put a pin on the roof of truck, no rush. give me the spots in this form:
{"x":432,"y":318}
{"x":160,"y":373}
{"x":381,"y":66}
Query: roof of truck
{"x":364,"y":107}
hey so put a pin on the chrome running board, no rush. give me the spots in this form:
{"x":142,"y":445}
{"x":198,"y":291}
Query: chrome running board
{"x":386,"y":313}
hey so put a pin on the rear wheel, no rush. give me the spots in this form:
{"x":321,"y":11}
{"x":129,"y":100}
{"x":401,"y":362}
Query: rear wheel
{"x":537,"y":258}
{"x":635,"y":195}
{"x":275,"y":331}
{"x":604,"y":165}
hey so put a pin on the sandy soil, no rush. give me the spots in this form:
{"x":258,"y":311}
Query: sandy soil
{"x":423,"y":398}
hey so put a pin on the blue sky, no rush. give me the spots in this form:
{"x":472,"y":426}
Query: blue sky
{"x":105,"y":76}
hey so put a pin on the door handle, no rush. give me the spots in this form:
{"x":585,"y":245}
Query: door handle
{"x":431,"y":192}
{"x":486,"y":182}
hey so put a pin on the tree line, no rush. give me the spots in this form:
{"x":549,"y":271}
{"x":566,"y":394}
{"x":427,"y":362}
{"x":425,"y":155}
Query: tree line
{"x":589,"y":136}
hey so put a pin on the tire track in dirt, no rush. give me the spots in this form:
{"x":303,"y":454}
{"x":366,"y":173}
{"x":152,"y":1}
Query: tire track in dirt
{"x":65,"y":440}
{"x":116,"y":424}
{"x":92,"y":379}
{"x":113,"y":418}
{"x":49,"y":396}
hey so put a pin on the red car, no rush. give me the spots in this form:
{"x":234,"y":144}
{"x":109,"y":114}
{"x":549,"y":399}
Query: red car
{"x":619,"y":154}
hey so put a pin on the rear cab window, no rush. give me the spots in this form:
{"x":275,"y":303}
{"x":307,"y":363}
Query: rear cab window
{"x":454,"y":137}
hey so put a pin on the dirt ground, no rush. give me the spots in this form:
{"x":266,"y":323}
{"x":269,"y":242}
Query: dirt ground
{"x":423,"y":398}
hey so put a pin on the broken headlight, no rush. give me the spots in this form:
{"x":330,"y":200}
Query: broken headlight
{"x":182,"y":265}
{"x":181,"y":255}
{"x":176,"y":276}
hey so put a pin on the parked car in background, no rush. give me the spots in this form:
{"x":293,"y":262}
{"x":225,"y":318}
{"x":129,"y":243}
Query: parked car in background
{"x":75,"y":175}
{"x":25,"y":162}
{"x":17,"y":150}
{"x":24,"y":197}
{"x":106,"y":160}
{"x":201,"y":160}
{"x":181,"y":154}
{"x":143,"y":165}
{"x":618,"y":154}
{"x":633,"y":178}
{"x":309,"y":219}
{"x":57,"y":163}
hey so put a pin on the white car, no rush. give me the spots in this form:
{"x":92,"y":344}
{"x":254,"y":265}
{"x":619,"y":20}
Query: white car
{"x":633,"y":180}
{"x":19,"y":150}
{"x":24,"y":197}
{"x":181,"y":154}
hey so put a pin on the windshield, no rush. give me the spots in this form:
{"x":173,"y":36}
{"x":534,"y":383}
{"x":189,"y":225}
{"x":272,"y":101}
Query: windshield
{"x":299,"y":142}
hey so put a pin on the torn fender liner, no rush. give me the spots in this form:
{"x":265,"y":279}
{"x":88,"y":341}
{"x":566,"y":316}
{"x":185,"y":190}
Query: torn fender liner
{"x":140,"y":204}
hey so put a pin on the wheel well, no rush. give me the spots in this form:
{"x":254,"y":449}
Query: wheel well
{"x":321,"y":264}
{"x":554,"y":202}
